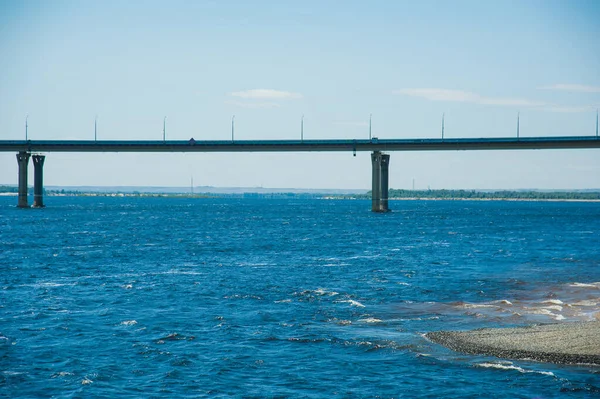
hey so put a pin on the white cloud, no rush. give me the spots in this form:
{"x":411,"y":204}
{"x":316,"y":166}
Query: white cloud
{"x":568,"y":109}
{"x":252,"y":105}
{"x":433,"y":94}
{"x":467,"y":97}
{"x":263,"y":94}
{"x":572,"y":87}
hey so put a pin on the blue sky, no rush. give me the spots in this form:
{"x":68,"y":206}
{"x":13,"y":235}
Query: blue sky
{"x":268,"y":63}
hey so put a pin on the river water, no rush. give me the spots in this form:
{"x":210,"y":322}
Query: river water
{"x":178,"y":297}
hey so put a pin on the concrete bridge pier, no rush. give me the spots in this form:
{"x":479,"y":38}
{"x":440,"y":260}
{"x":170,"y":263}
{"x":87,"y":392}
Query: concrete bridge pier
{"x":23,"y":161}
{"x":380,"y":182}
{"x":38,"y":180}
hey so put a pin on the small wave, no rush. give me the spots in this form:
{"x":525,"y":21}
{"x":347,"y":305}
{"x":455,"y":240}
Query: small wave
{"x":62,"y":374}
{"x":541,"y":311}
{"x":476,"y":305}
{"x":352,"y":302}
{"x":371,"y":320}
{"x":86,"y":381}
{"x":283,"y":301}
{"x":503,"y":302}
{"x":10,"y":372}
{"x":180,"y":272}
{"x":175,"y":337}
{"x":553,"y":307}
{"x":321,"y":291}
{"x":339,"y":322}
{"x":49,"y":284}
{"x":554,"y":301}
{"x":317,"y":292}
{"x":585,"y":285}
{"x":510,"y":366}
{"x":239,"y":296}
{"x":417,"y":318}
{"x":309,"y":340}
{"x":128,"y":323}
{"x":585,"y":303}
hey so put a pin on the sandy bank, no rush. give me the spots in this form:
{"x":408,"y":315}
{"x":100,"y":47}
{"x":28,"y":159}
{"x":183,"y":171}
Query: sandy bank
{"x":566,"y":343}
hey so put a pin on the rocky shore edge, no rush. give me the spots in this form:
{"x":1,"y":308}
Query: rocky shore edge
{"x":564,"y":343}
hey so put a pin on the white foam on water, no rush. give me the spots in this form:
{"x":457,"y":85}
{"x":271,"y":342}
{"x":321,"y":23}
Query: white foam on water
{"x":553,"y":307}
{"x":503,"y":302}
{"x":86,"y":381}
{"x":586,"y":285}
{"x":284,"y":301}
{"x":477,"y":305}
{"x":554,"y":301}
{"x":352,"y":302}
{"x":541,"y":311}
{"x":511,"y":366}
{"x":578,"y":301}
{"x":586,"y":303}
{"x":177,"y":272}
{"x":62,"y":374}
{"x":10,"y":372}
{"x":321,"y":291}
{"x":48,"y":284}
{"x":129,"y":323}
{"x":371,"y":320}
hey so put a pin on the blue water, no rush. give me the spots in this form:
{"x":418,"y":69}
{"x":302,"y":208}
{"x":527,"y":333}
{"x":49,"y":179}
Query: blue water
{"x":158,"y":297}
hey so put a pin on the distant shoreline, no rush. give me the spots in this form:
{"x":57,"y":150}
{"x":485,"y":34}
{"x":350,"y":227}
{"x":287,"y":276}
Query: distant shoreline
{"x":497,"y":199}
{"x":529,"y":195}
{"x":292,"y":195}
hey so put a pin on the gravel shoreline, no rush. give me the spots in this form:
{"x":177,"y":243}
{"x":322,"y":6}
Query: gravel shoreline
{"x":565,"y":343}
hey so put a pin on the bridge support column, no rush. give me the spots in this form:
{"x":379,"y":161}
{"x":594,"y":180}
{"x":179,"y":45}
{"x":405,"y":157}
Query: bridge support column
{"x":380,"y":181}
{"x":385,"y":167}
{"x":38,"y":180}
{"x":23,"y":161}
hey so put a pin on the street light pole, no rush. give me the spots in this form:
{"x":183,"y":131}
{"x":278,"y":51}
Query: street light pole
{"x":232,"y":127}
{"x":443,"y":115}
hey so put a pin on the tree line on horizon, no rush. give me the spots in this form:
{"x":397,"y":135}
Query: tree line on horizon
{"x":393,"y":194}
{"x":499,"y":194}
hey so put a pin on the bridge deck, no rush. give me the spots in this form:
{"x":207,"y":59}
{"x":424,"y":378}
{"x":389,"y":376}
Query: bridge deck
{"x":459,"y":144}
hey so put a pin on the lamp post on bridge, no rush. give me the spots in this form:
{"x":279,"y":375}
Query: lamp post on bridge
{"x":232,"y":127}
{"x":26,"y":118}
{"x":443,"y":115}
{"x":165,"y":128}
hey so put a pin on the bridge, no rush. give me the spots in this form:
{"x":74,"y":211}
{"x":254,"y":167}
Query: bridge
{"x":379,"y":159}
